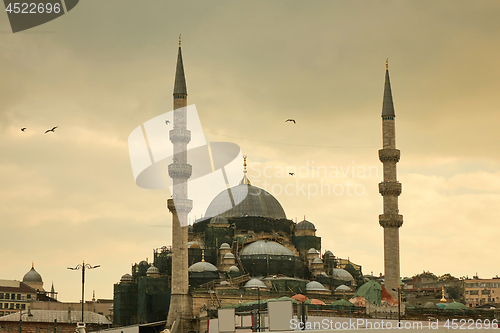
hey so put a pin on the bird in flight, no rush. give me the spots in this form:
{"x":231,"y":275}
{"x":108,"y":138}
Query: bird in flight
{"x":22,"y":129}
{"x":291,"y":174}
{"x":51,"y":130}
{"x":167,"y":122}
{"x":290,"y":120}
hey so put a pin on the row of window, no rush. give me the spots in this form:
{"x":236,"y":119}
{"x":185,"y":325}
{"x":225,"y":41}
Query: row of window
{"x":18,"y":297}
{"x":39,"y":328}
{"x":13,"y":306}
{"x":483,"y":285}
{"x":476,"y":292}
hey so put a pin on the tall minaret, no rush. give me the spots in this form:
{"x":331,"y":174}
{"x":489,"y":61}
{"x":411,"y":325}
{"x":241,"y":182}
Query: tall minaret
{"x":181,"y":306}
{"x":390,"y":189}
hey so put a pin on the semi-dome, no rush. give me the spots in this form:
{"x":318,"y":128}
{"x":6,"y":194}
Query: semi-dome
{"x":255,"y":283}
{"x":229,"y":255}
{"x":312,"y":250}
{"x":305,"y":225}
{"x":266,"y":247}
{"x":343,"y":287}
{"x":32,"y":276}
{"x":153,"y":270}
{"x":126,"y":278}
{"x":219,"y":220}
{"x":202,"y":266}
{"x":234,"y":269}
{"x":252,"y":201}
{"x":224,"y":246}
{"x":315,"y":286}
{"x":341,"y":274}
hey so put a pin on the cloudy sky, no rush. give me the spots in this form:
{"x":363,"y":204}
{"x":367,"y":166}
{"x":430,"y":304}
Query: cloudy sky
{"x":106,"y":67}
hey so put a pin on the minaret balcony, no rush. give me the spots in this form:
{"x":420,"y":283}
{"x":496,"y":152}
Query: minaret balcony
{"x":390,"y":220}
{"x":389,"y":188}
{"x":389,"y":155}
{"x":180,"y":135}
{"x":179,"y":205}
{"x":180,"y":171}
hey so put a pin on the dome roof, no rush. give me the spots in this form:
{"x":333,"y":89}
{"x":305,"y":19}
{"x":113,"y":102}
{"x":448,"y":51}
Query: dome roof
{"x":144,"y":262}
{"x":313,"y":250}
{"x":343,"y":287}
{"x":266,"y":247}
{"x":252,"y":201}
{"x":317,"y":261}
{"x":219,"y":220}
{"x":305,"y":225}
{"x":328,"y":253}
{"x":153,"y":270}
{"x":234,"y":269}
{"x":224,"y":246}
{"x":315,"y":286}
{"x":255,"y":283}
{"x":32,"y":276}
{"x":229,"y":255}
{"x":126,"y":278}
{"x":341,"y":274}
{"x":202,"y":266}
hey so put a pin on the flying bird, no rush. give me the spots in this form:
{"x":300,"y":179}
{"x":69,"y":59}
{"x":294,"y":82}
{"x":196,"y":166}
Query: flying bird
{"x":51,"y":130}
{"x":290,"y":120}
{"x":22,"y":129}
{"x":167,"y":122}
{"x":291,"y":174}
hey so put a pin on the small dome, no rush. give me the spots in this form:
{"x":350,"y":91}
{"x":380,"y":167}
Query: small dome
{"x":193,"y":245}
{"x":229,"y":255}
{"x":328,"y":253}
{"x":234,"y":269}
{"x":224,"y":246}
{"x":219,"y":220}
{"x":313,"y":250}
{"x":315,"y":286}
{"x":153,"y":270}
{"x":32,"y":276}
{"x":305,"y":225}
{"x":255,"y":283}
{"x":266,"y":247}
{"x":202,"y":266}
{"x":317,"y":261}
{"x":144,"y":262}
{"x":341,"y":274}
{"x":126,"y":278}
{"x":343,"y":287}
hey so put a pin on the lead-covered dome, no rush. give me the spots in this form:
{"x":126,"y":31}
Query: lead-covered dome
{"x":253,"y":201}
{"x":305,"y":225}
{"x":342,"y":275}
{"x":32,"y":276}
{"x":266,"y":247}
{"x":202,"y":266}
{"x":315,"y":286}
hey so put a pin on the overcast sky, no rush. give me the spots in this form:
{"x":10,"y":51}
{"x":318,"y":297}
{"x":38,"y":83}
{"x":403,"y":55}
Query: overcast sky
{"x":106,"y":67}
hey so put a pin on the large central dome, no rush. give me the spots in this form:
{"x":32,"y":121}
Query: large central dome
{"x":253,"y":201}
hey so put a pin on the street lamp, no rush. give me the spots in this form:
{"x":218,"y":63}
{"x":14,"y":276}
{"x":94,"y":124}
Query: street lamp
{"x":399,"y":304}
{"x":21,"y":319}
{"x":83,"y":266}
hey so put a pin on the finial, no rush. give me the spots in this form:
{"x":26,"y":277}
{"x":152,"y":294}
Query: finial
{"x":202,"y":255}
{"x":245,"y":180}
{"x":32,"y":264}
{"x":443,"y":299}
{"x":386,"y":62}
{"x":179,"y":40}
{"x":93,"y":296}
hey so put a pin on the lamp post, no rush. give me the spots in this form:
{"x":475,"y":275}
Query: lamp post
{"x":83,"y":266}
{"x":21,"y":319}
{"x":399,"y":305}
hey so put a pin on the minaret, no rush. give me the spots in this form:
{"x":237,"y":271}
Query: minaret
{"x":390,"y":189}
{"x":180,"y":301}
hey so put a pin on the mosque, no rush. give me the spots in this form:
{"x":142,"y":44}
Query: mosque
{"x":249,"y":251}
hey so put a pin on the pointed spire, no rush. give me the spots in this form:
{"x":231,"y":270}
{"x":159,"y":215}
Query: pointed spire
{"x":387,"y":105}
{"x":52,"y":291}
{"x":180,"y":79}
{"x":245,"y":180}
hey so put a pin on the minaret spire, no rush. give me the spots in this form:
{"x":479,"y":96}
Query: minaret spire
{"x":390,"y":189}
